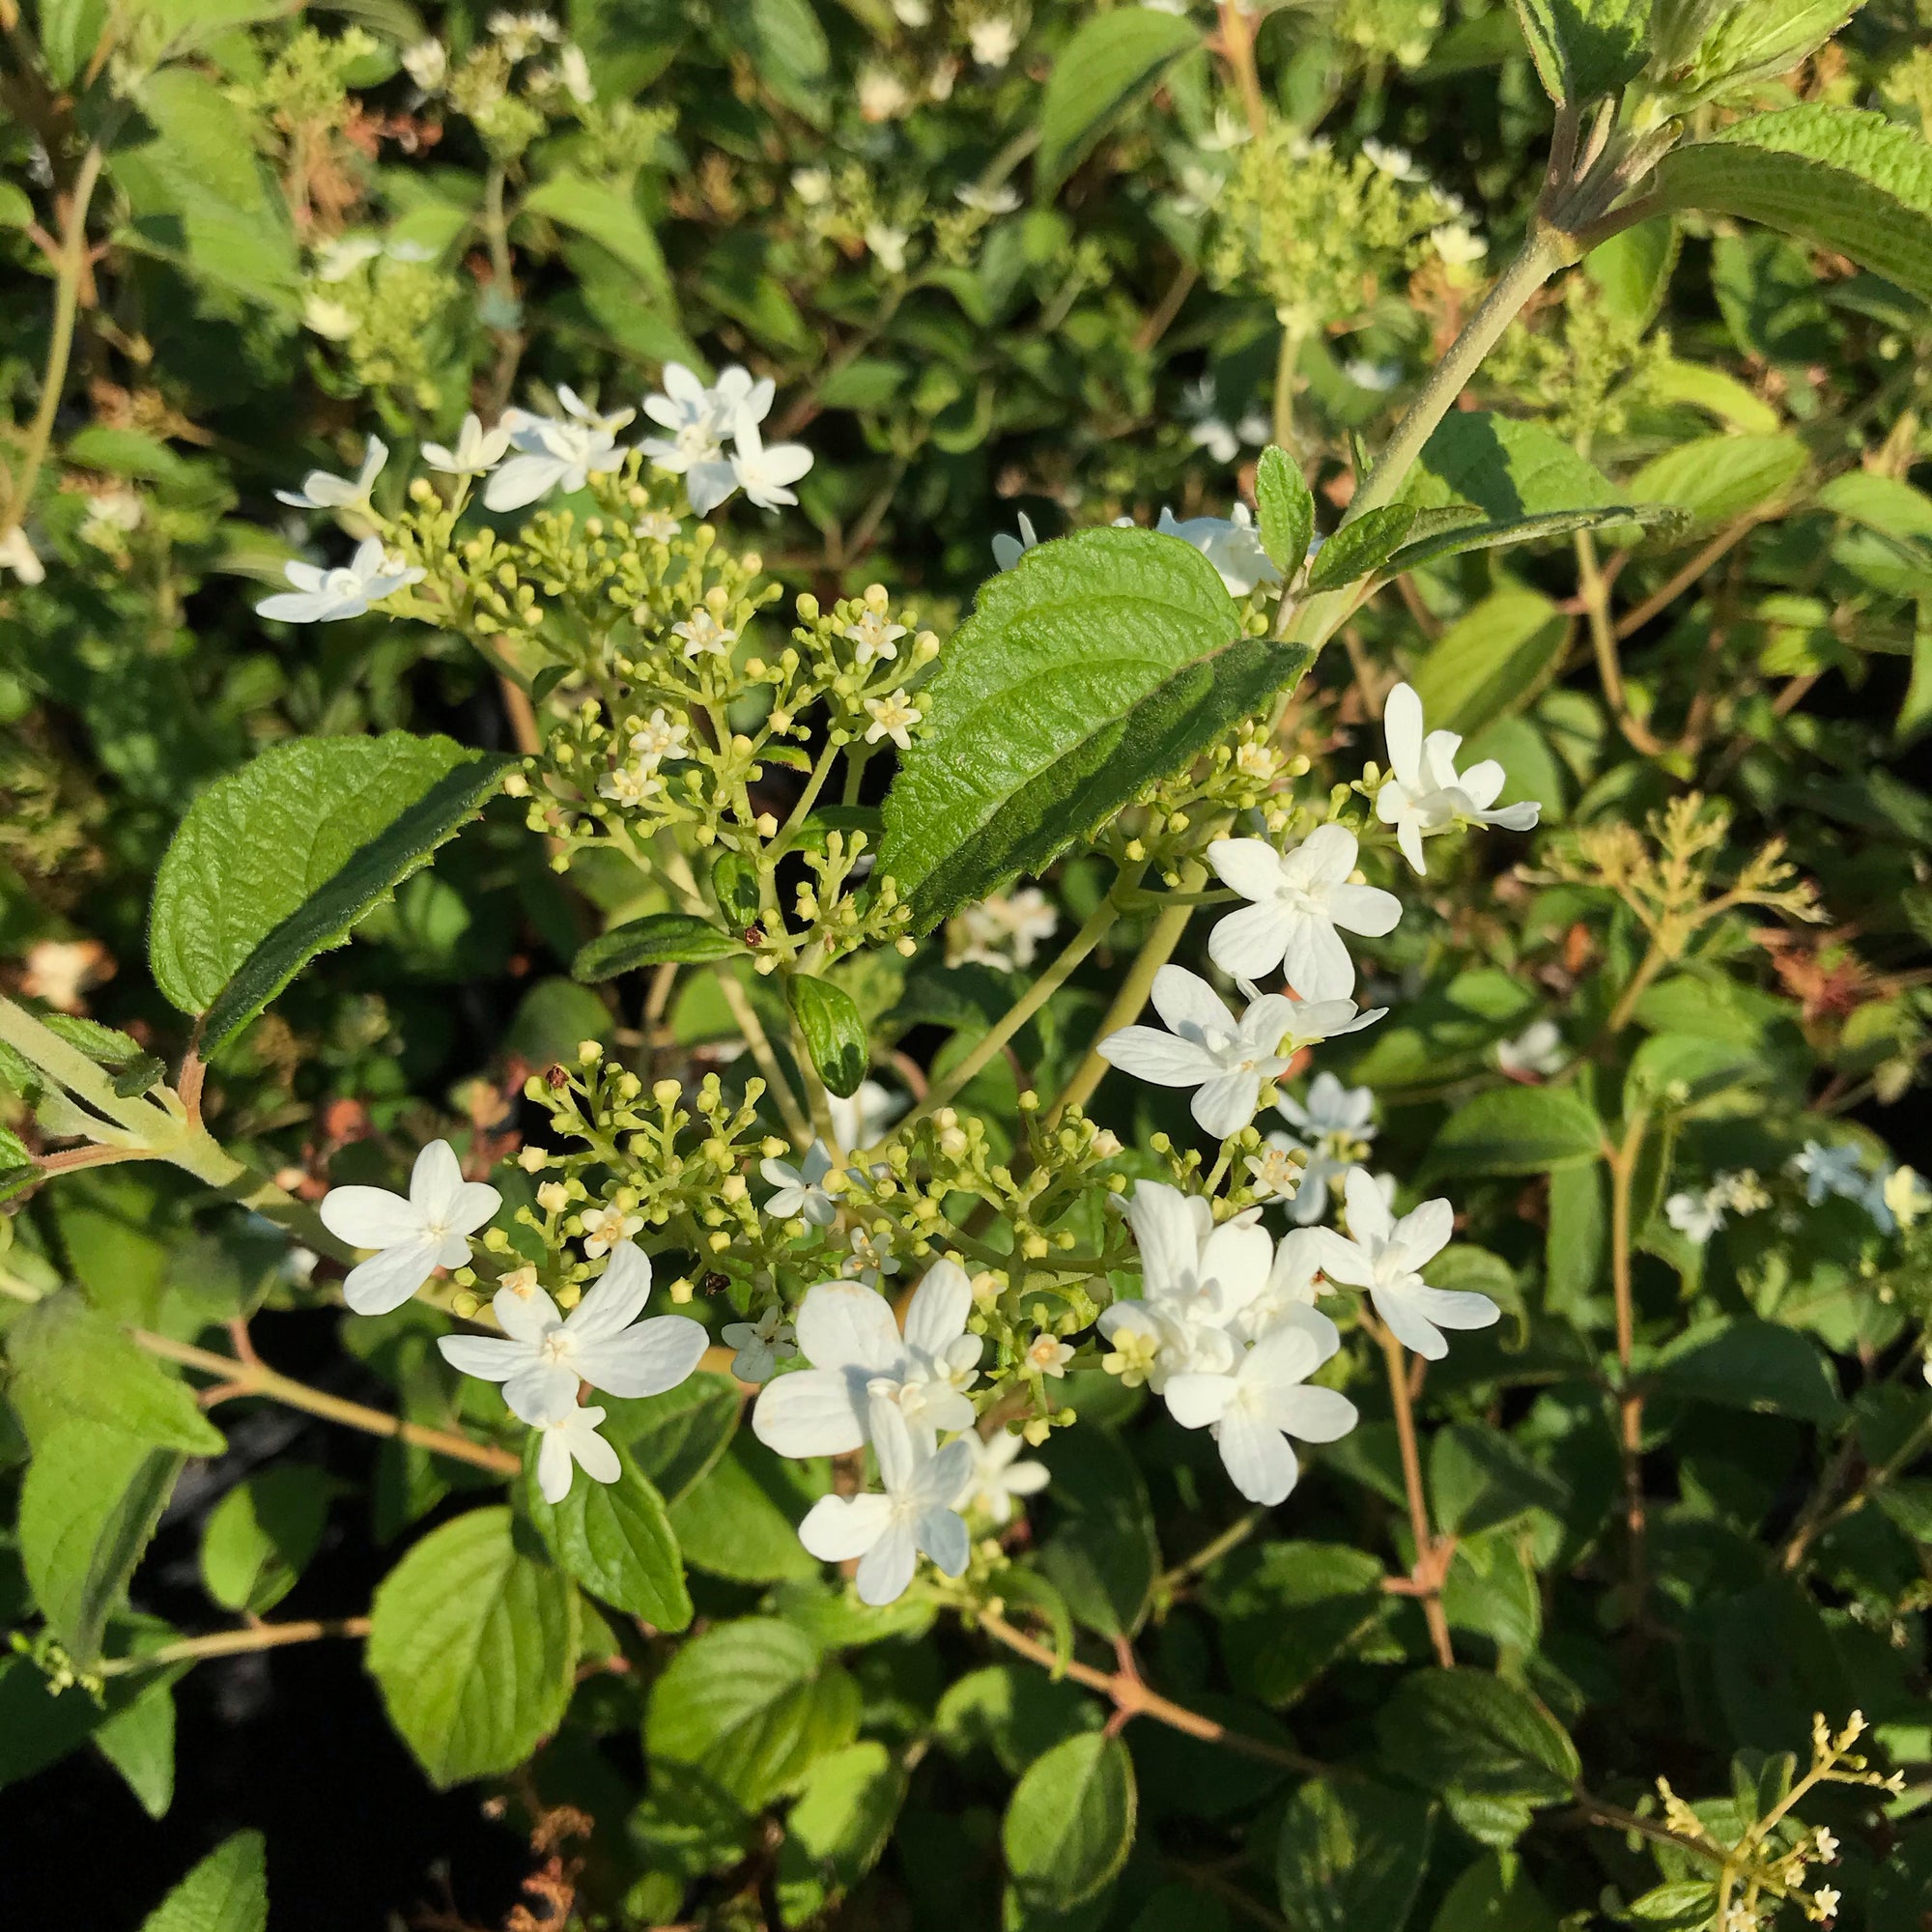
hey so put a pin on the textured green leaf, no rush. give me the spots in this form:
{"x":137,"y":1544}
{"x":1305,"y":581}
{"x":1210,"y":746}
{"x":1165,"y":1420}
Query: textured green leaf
{"x":786,"y":48}
{"x":227,"y":1891}
{"x":676,"y":1438}
{"x":838,"y":1830}
{"x":1718,"y":477}
{"x":833,"y":1028}
{"x":1109,"y":62}
{"x":1517,"y":1130}
{"x":659,"y":939}
{"x":1286,"y":508}
{"x":1470,"y":1730}
{"x":1837,"y":176}
{"x":1097,"y":663}
{"x":139,"y":1743}
{"x":748,"y":1707}
{"x":741,"y":1522}
{"x":610,"y":218}
{"x":260,"y":1537}
{"x":1508,"y":469}
{"x":1359,"y":549}
{"x":1101,"y":1553}
{"x":1584,"y":49}
{"x":1494,"y":1894}
{"x":72,"y":1362}
{"x":1544,"y":529}
{"x":1070,"y":1824}
{"x":472,"y":1641}
{"x":1287,"y":1611}
{"x":1748,"y":1363}
{"x":1490,"y":661}
{"x":1350,"y":1857}
{"x":615,"y":1540}
{"x":277,"y":861}
{"x":88,"y":1506}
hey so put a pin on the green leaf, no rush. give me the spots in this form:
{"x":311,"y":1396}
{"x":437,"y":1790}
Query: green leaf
{"x":1099,"y":662}
{"x":277,"y":861}
{"x":1508,"y":469}
{"x":1070,"y":1824}
{"x":676,"y":1438}
{"x":1719,"y":478}
{"x":139,"y":1743}
{"x":1287,"y":1611}
{"x":72,"y":1362}
{"x":610,"y":217}
{"x":1584,"y":49}
{"x":833,"y":1030}
{"x":1836,"y":177}
{"x":1109,"y":62}
{"x":260,"y":1537}
{"x":1350,"y":1857}
{"x":1684,"y":1072}
{"x":474,"y":1643}
{"x":1517,"y":1130}
{"x":1753,"y":1364}
{"x":227,"y":1891}
{"x":88,"y":1506}
{"x":615,"y":1540}
{"x":838,"y":1828}
{"x":741,"y":1522}
{"x":661,"y":939}
{"x":1491,"y":662}
{"x":1470,"y":1731}
{"x":1287,"y":511}
{"x":1494,"y":1894}
{"x":1101,"y":1553}
{"x":787,"y":51}
{"x":1360,"y":549}
{"x":1479,"y":1480}
{"x":69,"y":32}
{"x":1467,"y":535}
{"x":748,"y":1707}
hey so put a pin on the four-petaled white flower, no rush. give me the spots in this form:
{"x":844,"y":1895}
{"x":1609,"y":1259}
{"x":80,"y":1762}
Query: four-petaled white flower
{"x":1398,"y":163}
{"x":872,"y":1255}
{"x":846,"y":1333}
{"x":657,"y":527}
{"x":606,"y":1228}
{"x":758,"y":1344}
{"x":994,"y":39}
{"x":799,"y":1190}
{"x":1008,"y":551}
{"x":892,"y":717}
{"x":1048,"y":1355}
{"x":1299,"y":899}
{"x":1386,"y":1257}
{"x":571,"y":1438}
{"x":704,"y":636}
{"x":1696,"y":1216}
{"x":321,"y":491}
{"x":415,"y":1236}
{"x":996,"y":1479}
{"x":888,"y":1533}
{"x":327,"y":596}
{"x":660,"y":737}
{"x":542,"y":1355}
{"x":553,"y":450}
{"x":1223,"y":1059}
{"x":765,"y":475}
{"x":1830,"y":1170}
{"x":1425,"y":793}
{"x":1263,"y":1400}
{"x":1535,"y":1054}
{"x":630,"y":784}
{"x":873,"y":636}
{"x":476,"y":450}
{"x":1231,"y":544}
{"x":1457,"y":244}
{"x":1332,"y":1128}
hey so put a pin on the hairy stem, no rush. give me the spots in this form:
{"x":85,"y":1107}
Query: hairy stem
{"x":1603,"y":634}
{"x":1427,"y":1577}
{"x":238,"y":1643}
{"x":1629,"y":1398}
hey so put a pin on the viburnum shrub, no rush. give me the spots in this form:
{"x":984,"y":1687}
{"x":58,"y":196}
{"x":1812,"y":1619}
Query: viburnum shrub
{"x":1178,"y":1224}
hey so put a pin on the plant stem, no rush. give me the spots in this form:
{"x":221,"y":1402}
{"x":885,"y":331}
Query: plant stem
{"x":1629,"y":1399}
{"x":1132,"y":1697}
{"x":237,"y":1643}
{"x":1211,"y":1552}
{"x":79,"y":1075}
{"x":1288,"y":363}
{"x":1595,"y":596}
{"x":241,"y":1379}
{"x":1648,"y":968}
{"x":1822,"y":1514}
{"x":1428,"y":1591}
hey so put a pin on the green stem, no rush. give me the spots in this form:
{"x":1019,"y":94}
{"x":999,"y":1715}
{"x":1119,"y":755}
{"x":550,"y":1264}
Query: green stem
{"x":79,"y":1075}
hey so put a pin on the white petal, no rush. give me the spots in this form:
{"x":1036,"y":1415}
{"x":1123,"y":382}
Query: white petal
{"x":1369,"y":1216}
{"x":553,"y":1466}
{"x":1252,"y":941}
{"x":1258,"y":1459}
{"x":525,"y":1318}
{"x":1518,"y":818}
{"x":1225,"y":1104}
{"x":1184,"y":1000}
{"x":1196,"y":1401}
{"x":886,"y":1568}
{"x":942,"y":1535}
{"x":838,"y":1528}
{"x":371,"y":1217}
{"x":1269,"y":1019}
{"x":846,"y":1325}
{"x":483,"y":1356}
{"x":1163,"y":1226}
{"x":648,"y":1359}
{"x":595,"y":1456}
{"x":1480,"y":782}
{"x":614,"y":1301}
{"x":1238,"y":1255}
{"x":1314,"y":1414}
{"x":1317,"y":962}
{"x":1326,"y":857}
{"x":1456,"y":1307}
{"x":811,"y":1412}
{"x":893,"y":1444}
{"x":1364,"y":909}
{"x":1409,"y":836}
{"x":1252,"y":866}
{"x":1401,"y":728}
{"x":387,"y":1280}
{"x":1425,"y":1233}
{"x":541,"y":1392}
{"x":521,"y":481}
{"x":940,"y":1305}
{"x":1162,"y":1059}
{"x":436,"y":1177}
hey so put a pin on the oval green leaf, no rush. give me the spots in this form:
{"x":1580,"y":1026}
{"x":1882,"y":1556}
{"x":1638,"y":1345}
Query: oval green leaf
{"x":1071,"y":1823}
{"x":662,"y":939}
{"x":1517,"y":1130}
{"x":615,"y":1540}
{"x":1103,"y":69}
{"x":833,"y":1032}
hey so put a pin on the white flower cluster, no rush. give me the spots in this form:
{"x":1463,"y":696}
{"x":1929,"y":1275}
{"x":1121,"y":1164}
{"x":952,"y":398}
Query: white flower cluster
{"x":527,"y":456}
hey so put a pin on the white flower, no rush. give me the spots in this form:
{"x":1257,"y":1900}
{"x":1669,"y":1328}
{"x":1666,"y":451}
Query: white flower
{"x":860,"y":1118}
{"x":630,"y":785}
{"x":1830,"y":1170}
{"x":1426,"y":794}
{"x":1048,"y":1355}
{"x":1005,"y":931}
{"x":1695,"y":1216}
{"x":542,"y":1355}
{"x":1212,"y":434}
{"x":994,"y":41}
{"x":111,"y":517}
{"x":874,"y":637}
{"x":321,"y":491}
{"x":1225,"y":1059}
{"x":1293,"y":1281}
{"x":847,"y":1334}
{"x":1457,"y":244}
{"x":1275,"y":1172}
{"x":1000,"y":200}
{"x":887,"y":1533}
{"x":608,"y":1228}
{"x":1378,"y":376}
{"x":427,"y":64}
{"x":660,"y":737}
{"x":812,"y":186}
{"x":1332,"y":1130}
{"x":332,"y":321}
{"x":553,"y":451}
{"x":996,"y":1480}
{"x":757,"y":1343}
{"x":1231,"y":545}
{"x":1254,"y":1408}
{"x":1231,"y":131}
{"x":476,"y":450}
{"x":799,"y":1190}
{"x":1535,"y":1054}
{"x":1384,"y":1256}
{"x":1398,"y":163}
{"x":336,"y":261}
{"x":657,"y":527}
{"x":1008,"y":551}
{"x":1299,"y":899}
{"x":571,"y":1438}
{"x":882,"y":93}
{"x":20,"y":556}
{"x":892,"y":717}
{"x":412,"y":1236}
{"x":325,"y":596}
{"x":1905,"y":1195}
{"x":888,"y":245}
{"x":871,"y":1256}
{"x":521,"y":34}
{"x":701,"y":420}
{"x":766,"y":474}
{"x":574,"y":71}
{"x":704,"y":636}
